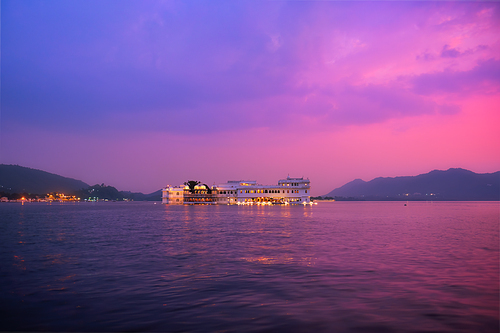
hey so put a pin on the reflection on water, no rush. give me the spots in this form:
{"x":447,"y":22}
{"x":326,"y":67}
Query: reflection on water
{"x":340,"y":266}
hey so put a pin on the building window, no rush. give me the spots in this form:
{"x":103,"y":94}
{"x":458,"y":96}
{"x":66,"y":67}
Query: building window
{"x":306,"y":191}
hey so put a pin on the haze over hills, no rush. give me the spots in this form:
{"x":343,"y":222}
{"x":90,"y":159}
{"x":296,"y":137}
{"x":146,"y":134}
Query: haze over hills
{"x":18,"y":179}
{"x":452,"y":184}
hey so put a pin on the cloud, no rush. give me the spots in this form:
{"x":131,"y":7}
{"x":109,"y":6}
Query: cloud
{"x":178,"y":66}
{"x":484,"y":78}
{"x":367,"y":104}
{"x":448,"y":52}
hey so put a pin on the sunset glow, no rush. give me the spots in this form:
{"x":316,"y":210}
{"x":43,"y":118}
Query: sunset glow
{"x":143,"y":94}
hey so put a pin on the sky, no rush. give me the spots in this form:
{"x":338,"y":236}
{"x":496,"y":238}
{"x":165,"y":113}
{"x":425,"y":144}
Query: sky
{"x":142,"y":94}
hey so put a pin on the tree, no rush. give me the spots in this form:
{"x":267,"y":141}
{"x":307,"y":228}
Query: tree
{"x":191,"y":184}
{"x":209,"y":191}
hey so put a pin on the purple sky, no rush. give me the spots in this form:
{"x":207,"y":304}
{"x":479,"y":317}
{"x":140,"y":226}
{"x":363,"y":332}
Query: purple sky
{"x":141,"y":94}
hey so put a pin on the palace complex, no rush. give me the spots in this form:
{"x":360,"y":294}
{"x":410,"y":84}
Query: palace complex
{"x":287,"y":191}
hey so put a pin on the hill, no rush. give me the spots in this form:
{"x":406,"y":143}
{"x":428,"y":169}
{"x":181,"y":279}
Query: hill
{"x":111,"y":193}
{"x":15,"y":179}
{"x":18,"y":179}
{"x":452,"y":184}
{"x":138,"y":196}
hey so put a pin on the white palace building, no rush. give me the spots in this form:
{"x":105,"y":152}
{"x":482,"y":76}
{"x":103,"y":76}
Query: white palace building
{"x":289,"y":191}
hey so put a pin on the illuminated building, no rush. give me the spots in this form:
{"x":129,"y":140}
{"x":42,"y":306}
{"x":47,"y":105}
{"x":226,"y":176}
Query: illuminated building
{"x":287,"y":191}
{"x":173,"y":195}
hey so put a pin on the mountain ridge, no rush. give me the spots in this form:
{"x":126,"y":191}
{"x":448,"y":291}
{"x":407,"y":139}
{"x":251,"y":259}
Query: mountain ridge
{"x":19,"y":179}
{"x":451,"y":184}
{"x":16,"y":178}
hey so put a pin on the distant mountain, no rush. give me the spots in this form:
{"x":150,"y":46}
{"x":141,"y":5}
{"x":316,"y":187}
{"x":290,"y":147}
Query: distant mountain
{"x":138,"y":196}
{"x":18,"y":179}
{"x":452,"y":184}
{"x":100,"y":192}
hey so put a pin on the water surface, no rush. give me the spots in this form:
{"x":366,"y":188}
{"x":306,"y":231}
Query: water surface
{"x":334,"y":267}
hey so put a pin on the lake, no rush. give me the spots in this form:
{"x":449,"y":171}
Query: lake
{"x":332,"y":267}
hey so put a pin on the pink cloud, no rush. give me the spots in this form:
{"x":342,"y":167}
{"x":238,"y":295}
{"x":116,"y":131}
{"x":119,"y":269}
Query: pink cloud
{"x":152,"y":94}
{"x":482,"y":79}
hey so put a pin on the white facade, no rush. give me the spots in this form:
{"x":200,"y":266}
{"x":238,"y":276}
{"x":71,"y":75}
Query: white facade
{"x":287,"y":191}
{"x":173,"y":195}
{"x":227,"y":193}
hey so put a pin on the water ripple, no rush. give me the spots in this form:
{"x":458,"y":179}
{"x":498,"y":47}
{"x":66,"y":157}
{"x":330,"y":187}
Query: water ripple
{"x":335,"y":267}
